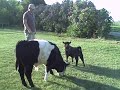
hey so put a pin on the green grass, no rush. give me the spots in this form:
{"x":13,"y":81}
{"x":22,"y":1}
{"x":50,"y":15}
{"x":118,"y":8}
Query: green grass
{"x":116,"y":28}
{"x":102,"y":58}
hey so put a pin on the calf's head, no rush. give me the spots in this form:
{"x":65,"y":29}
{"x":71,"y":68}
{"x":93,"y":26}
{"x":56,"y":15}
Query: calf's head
{"x":66,"y":44}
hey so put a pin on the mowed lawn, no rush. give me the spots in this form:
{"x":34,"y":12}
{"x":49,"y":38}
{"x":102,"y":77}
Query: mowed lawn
{"x":102,"y":59}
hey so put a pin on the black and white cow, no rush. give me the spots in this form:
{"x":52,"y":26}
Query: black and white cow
{"x":35,"y":52}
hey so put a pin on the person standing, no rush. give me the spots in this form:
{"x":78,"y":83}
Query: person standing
{"x":29,"y":23}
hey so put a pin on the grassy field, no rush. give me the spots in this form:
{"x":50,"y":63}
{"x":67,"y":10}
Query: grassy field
{"x":102,"y":58}
{"x":116,"y":28}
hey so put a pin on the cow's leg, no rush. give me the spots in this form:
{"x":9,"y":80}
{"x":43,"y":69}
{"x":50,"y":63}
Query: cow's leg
{"x":21,"y":72}
{"x":76,"y":58}
{"x":72,"y":59}
{"x":51,"y":72}
{"x":81,"y":57}
{"x":46,"y":73}
{"x":28,"y":72}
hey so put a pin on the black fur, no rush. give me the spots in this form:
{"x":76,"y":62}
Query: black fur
{"x":26,"y":56}
{"x":73,"y":52}
{"x":27,"y":53}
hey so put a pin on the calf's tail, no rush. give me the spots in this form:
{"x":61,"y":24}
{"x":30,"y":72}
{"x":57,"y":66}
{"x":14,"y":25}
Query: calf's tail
{"x":81,"y":55}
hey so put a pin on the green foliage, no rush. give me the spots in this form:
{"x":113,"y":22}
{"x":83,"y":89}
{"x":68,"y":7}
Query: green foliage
{"x":104,"y":22}
{"x":53,"y":18}
{"x":102,"y":71}
{"x":115,"y":28}
{"x":117,"y":23}
{"x":72,"y":30}
{"x":91,"y":23}
{"x":25,"y":3}
{"x":87,"y":21}
{"x":37,"y":2}
{"x":10,"y":12}
{"x":79,"y":19}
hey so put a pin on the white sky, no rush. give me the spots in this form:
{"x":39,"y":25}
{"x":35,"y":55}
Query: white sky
{"x":113,"y":6}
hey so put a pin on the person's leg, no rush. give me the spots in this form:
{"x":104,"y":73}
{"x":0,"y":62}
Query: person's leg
{"x":32,"y":36}
{"x":27,"y":35}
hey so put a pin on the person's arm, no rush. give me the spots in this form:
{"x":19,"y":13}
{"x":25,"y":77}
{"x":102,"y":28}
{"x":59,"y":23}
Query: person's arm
{"x":25,"y":24}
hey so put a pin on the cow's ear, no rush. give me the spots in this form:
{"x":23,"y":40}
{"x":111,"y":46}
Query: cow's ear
{"x":69,"y":42}
{"x":64,"y":42}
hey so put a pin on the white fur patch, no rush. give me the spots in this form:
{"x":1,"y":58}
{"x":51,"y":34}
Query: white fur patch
{"x":45,"y":50}
{"x":36,"y":68}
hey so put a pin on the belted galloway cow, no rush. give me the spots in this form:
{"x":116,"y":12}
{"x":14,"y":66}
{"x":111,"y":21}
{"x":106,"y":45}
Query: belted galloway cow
{"x":30,"y":54}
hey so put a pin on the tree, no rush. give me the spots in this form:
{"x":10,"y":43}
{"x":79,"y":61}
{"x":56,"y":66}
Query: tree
{"x":37,"y":2}
{"x":79,"y":19}
{"x":104,"y":23}
{"x":4,"y":11}
{"x":10,"y":12}
{"x":15,"y":11}
{"x":89,"y":22}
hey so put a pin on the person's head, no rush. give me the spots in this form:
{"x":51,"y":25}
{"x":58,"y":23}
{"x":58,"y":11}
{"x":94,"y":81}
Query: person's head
{"x":31,"y":7}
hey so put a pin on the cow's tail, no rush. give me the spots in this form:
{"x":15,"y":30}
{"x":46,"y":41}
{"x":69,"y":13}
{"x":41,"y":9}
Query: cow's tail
{"x":16,"y":64}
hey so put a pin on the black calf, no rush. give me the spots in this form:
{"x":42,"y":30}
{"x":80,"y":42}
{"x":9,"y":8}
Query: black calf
{"x":73,"y":52}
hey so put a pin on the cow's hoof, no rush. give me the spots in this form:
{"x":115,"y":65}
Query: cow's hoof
{"x":24,"y":84}
{"x":32,"y":86}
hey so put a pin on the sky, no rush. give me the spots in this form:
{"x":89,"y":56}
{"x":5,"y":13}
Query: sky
{"x":112,"y":6}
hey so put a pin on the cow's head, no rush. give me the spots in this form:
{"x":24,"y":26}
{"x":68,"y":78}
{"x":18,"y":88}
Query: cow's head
{"x":59,"y":64}
{"x":63,"y":70}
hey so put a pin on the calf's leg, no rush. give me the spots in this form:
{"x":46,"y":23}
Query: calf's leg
{"x":81,"y":57}
{"x":28,"y":72}
{"x":76,"y":58}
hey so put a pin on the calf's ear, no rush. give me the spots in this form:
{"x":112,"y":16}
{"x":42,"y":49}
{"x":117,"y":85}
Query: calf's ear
{"x":64,"y":42}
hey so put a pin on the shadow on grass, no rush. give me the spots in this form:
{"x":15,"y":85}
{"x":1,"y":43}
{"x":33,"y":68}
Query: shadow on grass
{"x":89,"y":85}
{"x":111,"y":73}
{"x":58,"y":84}
{"x":32,"y":88}
{"x":35,"y":88}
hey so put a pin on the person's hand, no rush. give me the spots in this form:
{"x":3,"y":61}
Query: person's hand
{"x":29,"y":31}
{"x":35,"y":32}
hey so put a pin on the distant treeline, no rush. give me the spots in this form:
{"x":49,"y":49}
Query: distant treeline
{"x":78,"y":19}
{"x":117,"y":23}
